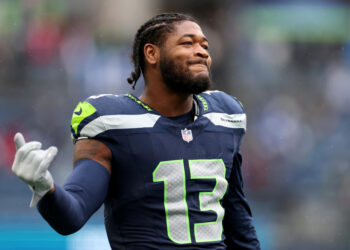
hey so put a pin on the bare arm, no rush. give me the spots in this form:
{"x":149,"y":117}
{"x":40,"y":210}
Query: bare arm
{"x":93,"y":150}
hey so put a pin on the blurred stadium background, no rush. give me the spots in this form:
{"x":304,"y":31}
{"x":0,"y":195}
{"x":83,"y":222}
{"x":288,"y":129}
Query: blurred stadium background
{"x":287,"y":61}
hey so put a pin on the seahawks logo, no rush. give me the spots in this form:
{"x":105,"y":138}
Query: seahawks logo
{"x":78,"y":112}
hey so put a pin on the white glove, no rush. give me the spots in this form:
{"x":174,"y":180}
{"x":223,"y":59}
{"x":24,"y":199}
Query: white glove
{"x":31,"y":164}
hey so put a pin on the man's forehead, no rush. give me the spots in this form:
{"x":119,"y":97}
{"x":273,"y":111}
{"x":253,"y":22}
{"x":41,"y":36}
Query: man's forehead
{"x":188,"y":28}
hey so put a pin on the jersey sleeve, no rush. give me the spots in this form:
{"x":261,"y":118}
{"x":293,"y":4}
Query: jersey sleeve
{"x":238,"y":226}
{"x":86,"y":122}
{"x":225,"y":102}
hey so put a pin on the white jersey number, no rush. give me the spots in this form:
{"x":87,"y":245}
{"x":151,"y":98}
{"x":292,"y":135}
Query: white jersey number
{"x":172,"y":173}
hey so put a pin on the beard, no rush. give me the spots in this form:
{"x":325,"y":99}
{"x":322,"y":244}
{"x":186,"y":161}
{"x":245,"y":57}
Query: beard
{"x":180,"y":79}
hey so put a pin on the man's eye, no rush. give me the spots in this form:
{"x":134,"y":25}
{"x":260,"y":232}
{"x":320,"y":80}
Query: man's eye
{"x":204,"y":46}
{"x":187,"y":43}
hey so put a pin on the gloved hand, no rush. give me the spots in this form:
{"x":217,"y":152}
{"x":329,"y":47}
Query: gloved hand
{"x":31,"y":164}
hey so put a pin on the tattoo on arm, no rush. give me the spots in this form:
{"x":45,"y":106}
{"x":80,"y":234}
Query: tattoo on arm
{"x":87,"y":149}
{"x":93,"y":150}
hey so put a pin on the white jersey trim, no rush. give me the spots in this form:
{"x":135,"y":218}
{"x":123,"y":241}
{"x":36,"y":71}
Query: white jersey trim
{"x":209,"y":92}
{"x":99,"y":96}
{"x":227,"y":120}
{"x":108,"y":122}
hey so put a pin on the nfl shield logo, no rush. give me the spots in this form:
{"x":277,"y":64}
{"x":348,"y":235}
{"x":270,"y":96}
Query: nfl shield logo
{"x":186,"y":135}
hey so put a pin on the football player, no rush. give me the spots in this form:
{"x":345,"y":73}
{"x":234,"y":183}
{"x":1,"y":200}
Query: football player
{"x":166,"y":165}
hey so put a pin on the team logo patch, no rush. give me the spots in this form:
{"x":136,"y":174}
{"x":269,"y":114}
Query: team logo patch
{"x":186,"y":135}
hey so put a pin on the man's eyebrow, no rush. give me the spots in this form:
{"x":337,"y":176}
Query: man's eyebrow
{"x":192,"y":35}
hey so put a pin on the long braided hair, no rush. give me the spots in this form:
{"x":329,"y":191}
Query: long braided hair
{"x":153,"y":31}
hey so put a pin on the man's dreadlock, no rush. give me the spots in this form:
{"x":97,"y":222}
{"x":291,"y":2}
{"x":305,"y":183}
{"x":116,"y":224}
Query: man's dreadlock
{"x":153,"y":31}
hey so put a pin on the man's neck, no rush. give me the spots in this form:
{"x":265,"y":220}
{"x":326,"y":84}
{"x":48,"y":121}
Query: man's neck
{"x":165,"y":101}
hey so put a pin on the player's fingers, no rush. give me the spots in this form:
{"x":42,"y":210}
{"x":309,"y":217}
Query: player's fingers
{"x":29,"y":146}
{"x":19,"y":140}
{"x":21,"y":155}
{"x":50,"y":154}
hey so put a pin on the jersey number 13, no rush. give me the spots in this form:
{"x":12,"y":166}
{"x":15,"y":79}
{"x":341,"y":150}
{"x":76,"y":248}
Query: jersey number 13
{"x":172,"y":173}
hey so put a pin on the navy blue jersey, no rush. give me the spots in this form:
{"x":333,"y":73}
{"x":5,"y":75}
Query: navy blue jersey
{"x":173,"y":186}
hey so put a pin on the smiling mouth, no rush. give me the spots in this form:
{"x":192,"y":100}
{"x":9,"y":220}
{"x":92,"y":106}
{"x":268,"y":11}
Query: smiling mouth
{"x":198,"y":68}
{"x":199,"y":63}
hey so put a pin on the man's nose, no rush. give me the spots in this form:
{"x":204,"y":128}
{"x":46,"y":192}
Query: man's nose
{"x":202,"y":52}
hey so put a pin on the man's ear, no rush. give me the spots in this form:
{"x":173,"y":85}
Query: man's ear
{"x":151,"y":53}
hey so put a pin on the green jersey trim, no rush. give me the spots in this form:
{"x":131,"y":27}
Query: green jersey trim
{"x":83,"y":110}
{"x":238,"y":101}
{"x":204,"y":102}
{"x":139,"y":102}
